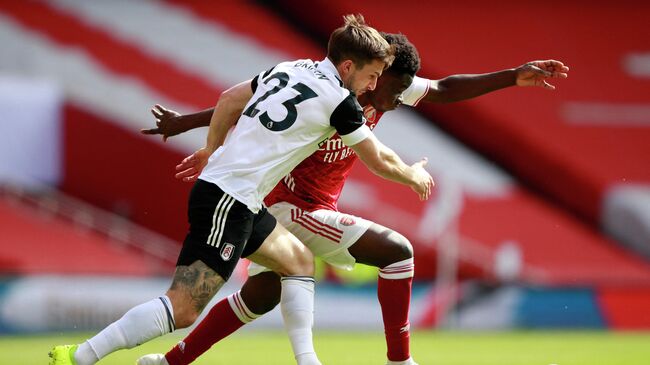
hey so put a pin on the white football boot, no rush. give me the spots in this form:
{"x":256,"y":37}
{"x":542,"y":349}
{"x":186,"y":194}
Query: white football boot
{"x":152,"y":359}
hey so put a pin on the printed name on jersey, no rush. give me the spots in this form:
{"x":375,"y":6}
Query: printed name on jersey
{"x":226,"y":251}
{"x":311,"y":67}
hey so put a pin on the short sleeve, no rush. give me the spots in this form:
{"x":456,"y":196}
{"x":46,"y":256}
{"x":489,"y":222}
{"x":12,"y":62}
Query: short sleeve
{"x":258,"y":78}
{"x":357,"y":136}
{"x":348,"y":120}
{"x":416,"y":91}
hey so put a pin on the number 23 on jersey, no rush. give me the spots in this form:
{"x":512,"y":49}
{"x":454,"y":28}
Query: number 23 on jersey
{"x":304,"y":93}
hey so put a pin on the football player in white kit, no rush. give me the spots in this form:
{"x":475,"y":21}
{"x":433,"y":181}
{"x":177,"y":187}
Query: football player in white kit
{"x":293,"y":108}
{"x":305,"y":202}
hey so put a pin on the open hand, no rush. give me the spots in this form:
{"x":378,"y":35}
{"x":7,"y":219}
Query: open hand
{"x":191,"y":166}
{"x":166,"y":122}
{"x":424,"y":181}
{"x":536,"y":73}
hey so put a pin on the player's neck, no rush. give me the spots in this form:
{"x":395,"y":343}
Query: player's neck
{"x":363,"y":100}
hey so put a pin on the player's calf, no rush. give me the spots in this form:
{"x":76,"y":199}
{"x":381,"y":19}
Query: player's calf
{"x":261,"y":292}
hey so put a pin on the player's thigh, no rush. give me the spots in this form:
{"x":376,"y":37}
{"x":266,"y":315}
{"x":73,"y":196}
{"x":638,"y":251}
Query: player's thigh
{"x":381,"y":246}
{"x":327,"y":233}
{"x":219,"y":229}
{"x":283,"y":253}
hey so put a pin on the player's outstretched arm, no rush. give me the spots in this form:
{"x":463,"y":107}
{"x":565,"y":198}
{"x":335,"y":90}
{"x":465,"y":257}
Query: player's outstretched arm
{"x":461,"y":87}
{"x":225,"y":116}
{"x":384,"y":162}
{"x":170,"y":123}
{"x":538,"y":73}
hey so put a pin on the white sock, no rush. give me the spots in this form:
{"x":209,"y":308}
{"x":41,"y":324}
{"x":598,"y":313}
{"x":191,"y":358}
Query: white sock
{"x":408,"y":361}
{"x":139,"y":325}
{"x":297,"y":305}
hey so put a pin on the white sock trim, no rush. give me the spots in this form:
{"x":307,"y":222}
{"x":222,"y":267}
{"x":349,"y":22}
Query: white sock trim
{"x":408,"y":361}
{"x":399,"y":270}
{"x":241,"y":310}
{"x":170,"y":312}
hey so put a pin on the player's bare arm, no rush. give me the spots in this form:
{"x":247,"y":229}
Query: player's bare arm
{"x":226,"y":113}
{"x":461,"y":87}
{"x":385,"y":163}
{"x":170,"y":123}
{"x":223,"y":117}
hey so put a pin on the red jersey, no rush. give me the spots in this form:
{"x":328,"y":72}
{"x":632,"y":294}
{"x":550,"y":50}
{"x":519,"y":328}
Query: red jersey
{"x":317,"y":182}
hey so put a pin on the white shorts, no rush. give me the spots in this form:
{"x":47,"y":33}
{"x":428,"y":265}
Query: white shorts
{"x":328,"y":234}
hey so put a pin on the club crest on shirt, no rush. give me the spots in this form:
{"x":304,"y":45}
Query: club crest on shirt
{"x":370,"y":113}
{"x":347,"y":220}
{"x":227,"y":250}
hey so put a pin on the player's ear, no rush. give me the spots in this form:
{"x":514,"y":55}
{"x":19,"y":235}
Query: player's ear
{"x":345,"y":68}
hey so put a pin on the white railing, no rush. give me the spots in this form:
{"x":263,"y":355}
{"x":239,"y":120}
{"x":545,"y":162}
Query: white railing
{"x":118,"y":229}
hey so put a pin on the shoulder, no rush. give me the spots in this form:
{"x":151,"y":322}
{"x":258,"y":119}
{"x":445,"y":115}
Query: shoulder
{"x":349,"y":105}
{"x":348,"y":111}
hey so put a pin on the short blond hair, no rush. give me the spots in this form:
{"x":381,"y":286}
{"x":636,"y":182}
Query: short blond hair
{"x":358,"y":42}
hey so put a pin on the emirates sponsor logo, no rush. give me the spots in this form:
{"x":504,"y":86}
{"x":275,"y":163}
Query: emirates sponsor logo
{"x":347,"y":220}
{"x":339,"y":155}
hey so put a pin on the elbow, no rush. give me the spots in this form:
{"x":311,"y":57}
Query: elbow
{"x":227,"y":96}
{"x":237,"y":96}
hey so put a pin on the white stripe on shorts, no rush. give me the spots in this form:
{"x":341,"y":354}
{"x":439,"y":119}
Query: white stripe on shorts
{"x":222,"y":225}
{"x":216,"y":218}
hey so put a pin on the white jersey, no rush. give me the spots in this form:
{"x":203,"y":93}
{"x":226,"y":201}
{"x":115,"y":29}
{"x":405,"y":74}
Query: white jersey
{"x":295,"y":106}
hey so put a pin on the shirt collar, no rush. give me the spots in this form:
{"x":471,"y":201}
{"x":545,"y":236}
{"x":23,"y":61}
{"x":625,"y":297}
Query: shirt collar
{"x":326,"y":66}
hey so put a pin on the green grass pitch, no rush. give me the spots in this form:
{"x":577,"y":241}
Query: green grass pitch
{"x":360,"y":348}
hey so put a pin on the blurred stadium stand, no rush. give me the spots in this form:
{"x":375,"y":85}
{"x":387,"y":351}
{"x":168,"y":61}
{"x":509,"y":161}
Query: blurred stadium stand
{"x":545,"y":190}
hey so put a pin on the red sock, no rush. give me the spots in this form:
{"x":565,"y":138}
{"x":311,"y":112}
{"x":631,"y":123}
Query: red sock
{"x":221,"y":321}
{"x":394,"y":293}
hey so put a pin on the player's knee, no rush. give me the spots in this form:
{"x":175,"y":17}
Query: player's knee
{"x":185,"y":313}
{"x":186,"y":318}
{"x":302,"y":264}
{"x":403,"y":249}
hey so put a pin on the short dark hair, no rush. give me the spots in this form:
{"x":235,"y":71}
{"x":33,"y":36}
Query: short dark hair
{"x":358,"y":42}
{"x":407,"y":58}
